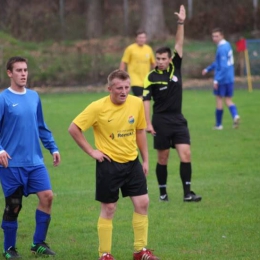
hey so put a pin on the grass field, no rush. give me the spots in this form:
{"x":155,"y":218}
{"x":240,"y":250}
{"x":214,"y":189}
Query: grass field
{"x":225,"y":225}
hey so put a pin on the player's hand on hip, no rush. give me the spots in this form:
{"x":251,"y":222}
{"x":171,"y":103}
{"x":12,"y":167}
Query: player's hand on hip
{"x":99,"y":156}
{"x":4,"y":157}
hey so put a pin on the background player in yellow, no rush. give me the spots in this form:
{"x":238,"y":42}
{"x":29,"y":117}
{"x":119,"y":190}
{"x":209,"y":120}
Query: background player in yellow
{"x":118,"y":121}
{"x":139,"y":59}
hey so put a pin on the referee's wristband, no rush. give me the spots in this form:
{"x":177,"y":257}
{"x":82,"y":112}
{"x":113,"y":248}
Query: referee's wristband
{"x":179,"y":22}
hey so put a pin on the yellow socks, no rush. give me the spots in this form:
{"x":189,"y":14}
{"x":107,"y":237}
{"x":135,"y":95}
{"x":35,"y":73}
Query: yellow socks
{"x":140,"y":226}
{"x":105,"y":227}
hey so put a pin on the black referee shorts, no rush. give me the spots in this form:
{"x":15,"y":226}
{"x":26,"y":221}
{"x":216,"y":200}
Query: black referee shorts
{"x":137,"y":91}
{"x":112,"y":176}
{"x":170,"y":130}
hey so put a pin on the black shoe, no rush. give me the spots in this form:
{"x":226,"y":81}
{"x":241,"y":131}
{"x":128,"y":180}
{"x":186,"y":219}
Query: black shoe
{"x":164,"y":198}
{"x":42,"y":249}
{"x":11,"y":253}
{"x":191,"y":196}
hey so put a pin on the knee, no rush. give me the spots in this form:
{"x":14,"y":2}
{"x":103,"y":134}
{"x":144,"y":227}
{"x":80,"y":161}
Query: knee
{"x":162,"y":159}
{"x":46,"y":197}
{"x":108,"y":210}
{"x":186,"y":156}
{"x":13,"y":205}
{"x":142,"y":205}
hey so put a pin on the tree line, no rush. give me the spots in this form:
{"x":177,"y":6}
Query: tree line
{"x":35,"y":20}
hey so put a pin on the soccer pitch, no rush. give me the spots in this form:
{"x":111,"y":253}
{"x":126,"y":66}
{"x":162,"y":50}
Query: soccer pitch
{"x":225,"y":225}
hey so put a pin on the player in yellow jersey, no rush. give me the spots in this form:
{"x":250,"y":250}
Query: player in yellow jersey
{"x":139,"y":59}
{"x":118,"y":121}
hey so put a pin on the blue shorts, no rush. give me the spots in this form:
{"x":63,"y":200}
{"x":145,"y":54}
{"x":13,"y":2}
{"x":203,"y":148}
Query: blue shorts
{"x":33,"y":179}
{"x":224,"y":90}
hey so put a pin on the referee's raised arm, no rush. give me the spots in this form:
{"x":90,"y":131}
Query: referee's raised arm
{"x":180,"y":30}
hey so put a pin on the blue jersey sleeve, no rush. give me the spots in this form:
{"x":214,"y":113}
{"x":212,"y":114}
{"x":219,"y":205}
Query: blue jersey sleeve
{"x":44,"y":132}
{"x":211,"y":67}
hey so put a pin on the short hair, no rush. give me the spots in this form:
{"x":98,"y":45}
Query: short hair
{"x":117,"y":74}
{"x":140,"y":31}
{"x":164,"y":49}
{"x":217,"y":30}
{"x":12,"y":60}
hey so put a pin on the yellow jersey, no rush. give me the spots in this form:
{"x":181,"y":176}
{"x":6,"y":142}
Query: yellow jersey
{"x":114,"y":126}
{"x":139,"y":60}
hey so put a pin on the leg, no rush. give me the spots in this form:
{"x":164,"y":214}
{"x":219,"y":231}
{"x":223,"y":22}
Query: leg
{"x":219,"y":112}
{"x":140,"y":226}
{"x":184,"y":153}
{"x":105,"y":228}
{"x":186,"y":171}
{"x":161,"y":172}
{"x":140,"y":221}
{"x":42,"y":218}
{"x":13,"y":205}
{"x":233,"y":111}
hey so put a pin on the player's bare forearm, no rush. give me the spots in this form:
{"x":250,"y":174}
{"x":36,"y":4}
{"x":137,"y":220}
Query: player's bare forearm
{"x":80,"y":139}
{"x":141,"y":141}
{"x":122,"y":66}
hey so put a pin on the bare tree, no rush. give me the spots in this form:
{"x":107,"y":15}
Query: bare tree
{"x":3,"y":9}
{"x":153,"y":21}
{"x":62,"y":19}
{"x":94,"y":18}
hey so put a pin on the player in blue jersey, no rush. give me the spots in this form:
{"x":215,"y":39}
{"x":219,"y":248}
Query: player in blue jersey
{"x":22,"y":170}
{"x":223,"y":78}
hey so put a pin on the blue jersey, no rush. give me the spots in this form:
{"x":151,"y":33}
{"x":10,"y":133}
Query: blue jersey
{"x":22,"y":127}
{"x":223,"y":64}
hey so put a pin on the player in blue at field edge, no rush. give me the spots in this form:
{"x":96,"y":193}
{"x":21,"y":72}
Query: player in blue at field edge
{"x":223,"y":78}
{"x":22,"y":170}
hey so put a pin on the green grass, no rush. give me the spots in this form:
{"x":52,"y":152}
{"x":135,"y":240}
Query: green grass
{"x":223,"y":226}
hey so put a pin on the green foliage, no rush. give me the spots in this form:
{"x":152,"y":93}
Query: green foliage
{"x":89,"y":62}
{"x":224,"y":225}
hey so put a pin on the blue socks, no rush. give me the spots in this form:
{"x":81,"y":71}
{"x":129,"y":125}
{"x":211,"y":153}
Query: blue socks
{"x":42,"y":223}
{"x":219,"y":114}
{"x":10,"y":230}
{"x":233,"y":110}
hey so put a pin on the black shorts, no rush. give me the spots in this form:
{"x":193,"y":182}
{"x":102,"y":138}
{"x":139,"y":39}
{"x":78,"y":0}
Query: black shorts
{"x":112,"y":176}
{"x":137,"y":91}
{"x":170,"y":130}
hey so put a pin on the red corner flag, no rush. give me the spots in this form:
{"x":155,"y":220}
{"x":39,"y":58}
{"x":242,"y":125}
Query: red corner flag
{"x":241,"y":45}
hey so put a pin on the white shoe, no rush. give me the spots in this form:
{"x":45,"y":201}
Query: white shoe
{"x":220,"y":127}
{"x":236,"y":121}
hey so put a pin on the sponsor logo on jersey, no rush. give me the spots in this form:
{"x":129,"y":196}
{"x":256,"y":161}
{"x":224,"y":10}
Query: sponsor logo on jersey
{"x":131,"y":120}
{"x":174,"y":78}
{"x":163,"y":88}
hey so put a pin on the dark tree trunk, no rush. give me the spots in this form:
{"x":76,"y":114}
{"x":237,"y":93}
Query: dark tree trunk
{"x":153,"y":21}
{"x":94,"y":18}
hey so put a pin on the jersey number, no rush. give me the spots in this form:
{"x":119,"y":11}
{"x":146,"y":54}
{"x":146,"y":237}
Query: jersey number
{"x":230,"y":61}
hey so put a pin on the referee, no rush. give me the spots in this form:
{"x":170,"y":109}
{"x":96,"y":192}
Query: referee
{"x":168,"y":125}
